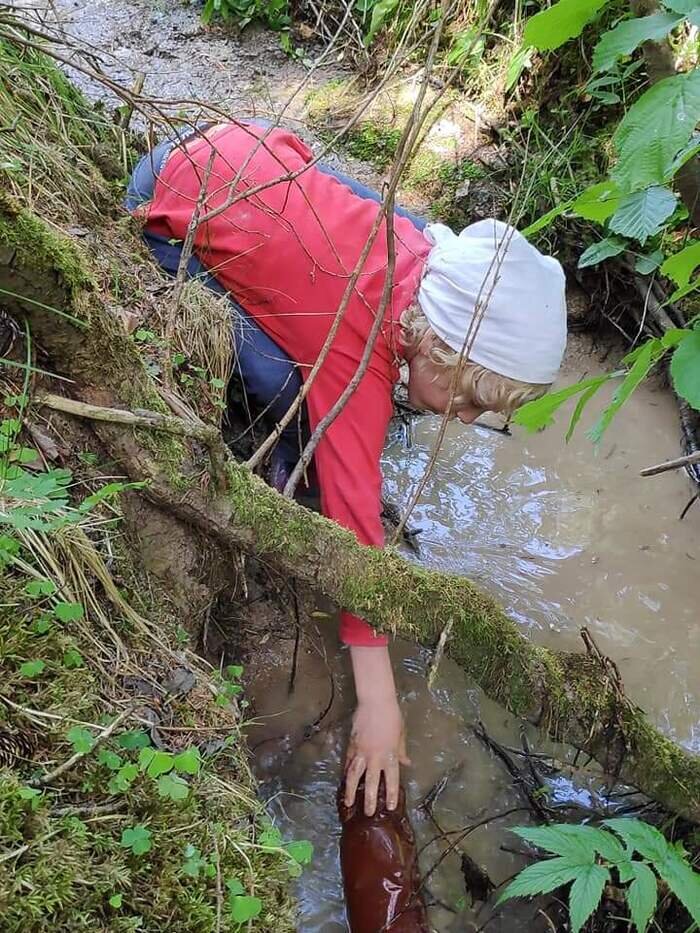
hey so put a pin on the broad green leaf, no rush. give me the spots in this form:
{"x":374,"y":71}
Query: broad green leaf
{"x":138,"y":839}
{"x":188,"y":761}
{"x":110,"y":759}
{"x":655,"y":129}
{"x":234,"y":887}
{"x":641,"y":837}
{"x":685,"y":369}
{"x":598,"y":202}
{"x":681,"y":265}
{"x":122,"y":780}
{"x":135,"y":738}
{"x":244,"y":907}
{"x":69,"y":612}
{"x":563,"y":21}
{"x":543,"y":877}
{"x":682,"y":880}
{"x":40,"y":588}
{"x":534,"y":416}
{"x":32,"y":668}
{"x":684,"y":7}
{"x":650,"y":353}
{"x":642,"y":214}
{"x":604,"y":249}
{"x":585,"y":894}
{"x":81,"y":740}
{"x":301,"y":851}
{"x":642,"y":895}
{"x":172,"y":786}
{"x":569,"y":841}
{"x":629,"y":35}
{"x":649,"y":262}
{"x":155,"y":762}
{"x":270,"y":838}
{"x":116,"y":901}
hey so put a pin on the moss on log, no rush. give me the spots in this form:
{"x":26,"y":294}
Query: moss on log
{"x":576,"y":698}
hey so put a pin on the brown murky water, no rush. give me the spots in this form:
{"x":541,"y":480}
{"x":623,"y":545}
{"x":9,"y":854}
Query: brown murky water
{"x":566,"y":537}
{"x":563,"y":535}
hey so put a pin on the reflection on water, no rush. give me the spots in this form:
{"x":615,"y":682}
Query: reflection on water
{"x":565,"y":537}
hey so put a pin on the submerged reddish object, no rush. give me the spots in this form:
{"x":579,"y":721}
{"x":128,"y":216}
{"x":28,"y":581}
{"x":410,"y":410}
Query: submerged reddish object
{"x":380,"y":867}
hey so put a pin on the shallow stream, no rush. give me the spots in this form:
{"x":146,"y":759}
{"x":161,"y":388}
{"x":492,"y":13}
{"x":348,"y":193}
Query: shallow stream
{"x":565,"y":536}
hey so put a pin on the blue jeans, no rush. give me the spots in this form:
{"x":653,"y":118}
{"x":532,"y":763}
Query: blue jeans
{"x":270,"y":379}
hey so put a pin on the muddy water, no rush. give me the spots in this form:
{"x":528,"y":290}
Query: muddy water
{"x":565,"y":537}
{"x":562,"y":535}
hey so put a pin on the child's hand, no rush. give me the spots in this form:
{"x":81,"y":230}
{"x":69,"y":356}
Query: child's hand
{"x":377,"y":744}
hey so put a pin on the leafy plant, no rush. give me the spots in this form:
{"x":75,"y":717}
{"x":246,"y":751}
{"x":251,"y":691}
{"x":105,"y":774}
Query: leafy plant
{"x":273,"y":13}
{"x":137,"y":838}
{"x":685,"y":370}
{"x":586,"y":857}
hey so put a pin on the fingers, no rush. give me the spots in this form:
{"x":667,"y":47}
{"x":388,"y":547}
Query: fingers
{"x":371,"y":789}
{"x":354,"y":771}
{"x":391,"y":777}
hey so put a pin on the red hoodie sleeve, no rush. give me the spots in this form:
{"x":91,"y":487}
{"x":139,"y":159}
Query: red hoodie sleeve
{"x":348,"y":464}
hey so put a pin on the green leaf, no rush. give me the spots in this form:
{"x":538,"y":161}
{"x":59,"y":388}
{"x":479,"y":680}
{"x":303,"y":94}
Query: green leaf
{"x":270,"y":838}
{"x":682,"y":880}
{"x":584,"y":399}
{"x":32,"y":668}
{"x":642,"y":214}
{"x":569,"y":841}
{"x":188,"y":761}
{"x":115,"y":901}
{"x":81,"y":740}
{"x":647,"y":357}
{"x":685,"y":369}
{"x":649,"y":262}
{"x":518,"y":63}
{"x":244,"y":907}
{"x":234,"y":887}
{"x":563,"y":21}
{"x":110,"y":759}
{"x":534,"y":416}
{"x":135,"y":738}
{"x":585,"y":894}
{"x":138,"y":839}
{"x":301,"y":851}
{"x":542,"y":877}
{"x":604,"y":249}
{"x":381,"y":11}
{"x":640,"y":837}
{"x":194,"y":863}
{"x":684,"y":7}
{"x":155,"y":762}
{"x":40,"y":588}
{"x":123,"y":779}
{"x":681,"y":265}
{"x":629,"y":35}
{"x":598,"y":202}
{"x":41,"y":626}
{"x":642,"y":895}
{"x":655,"y":129}
{"x":546,"y":219}
{"x":73,"y":659}
{"x":172,"y":786}
{"x":69,"y":612}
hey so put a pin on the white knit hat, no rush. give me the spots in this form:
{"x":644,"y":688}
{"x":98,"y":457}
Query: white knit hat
{"x":522,"y":333}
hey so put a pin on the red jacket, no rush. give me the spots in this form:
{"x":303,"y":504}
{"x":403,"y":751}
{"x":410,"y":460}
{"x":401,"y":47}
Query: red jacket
{"x":286,"y":254}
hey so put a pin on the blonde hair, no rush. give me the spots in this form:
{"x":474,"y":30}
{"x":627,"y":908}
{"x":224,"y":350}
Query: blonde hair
{"x":477,"y":385}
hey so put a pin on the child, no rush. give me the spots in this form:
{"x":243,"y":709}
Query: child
{"x":284,"y":253}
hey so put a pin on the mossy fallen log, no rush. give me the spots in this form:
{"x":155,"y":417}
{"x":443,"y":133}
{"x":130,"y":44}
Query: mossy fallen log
{"x":576,"y":698}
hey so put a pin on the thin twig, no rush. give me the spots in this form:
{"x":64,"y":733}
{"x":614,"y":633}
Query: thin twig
{"x":74,"y":759}
{"x":439,"y":651}
{"x":675,"y":464}
{"x":219,"y":889}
